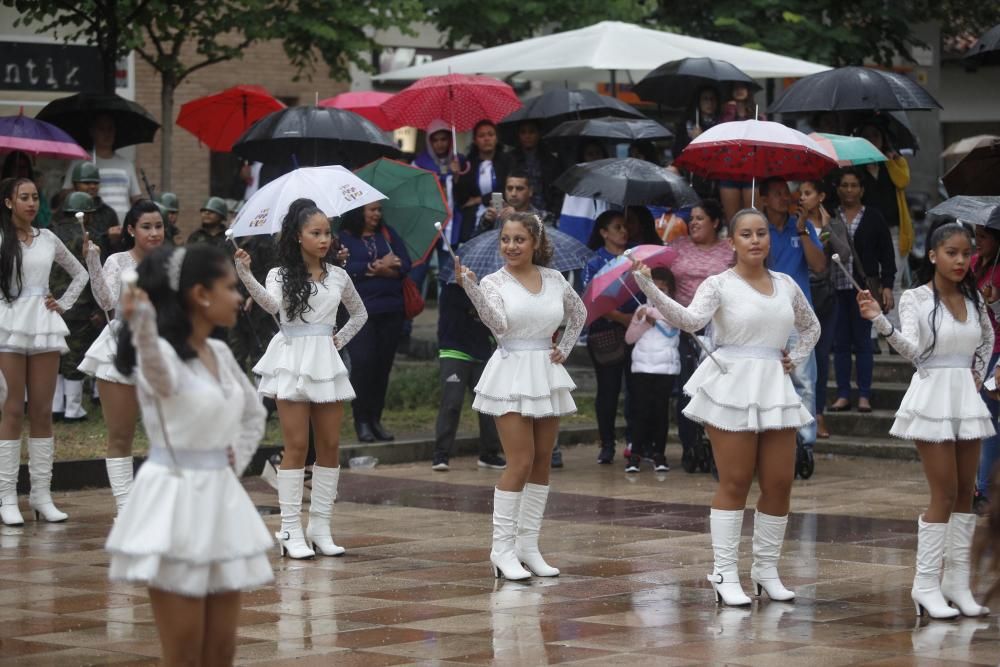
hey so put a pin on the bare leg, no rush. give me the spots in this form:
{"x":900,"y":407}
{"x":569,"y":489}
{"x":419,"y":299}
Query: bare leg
{"x":121,"y":410}
{"x":326,"y":421}
{"x":517,"y":437}
{"x":546,"y":430}
{"x":967,"y":465}
{"x":222,"y":615}
{"x":180,"y":621}
{"x":776,"y":471}
{"x":731,"y":199}
{"x":15,"y":371}
{"x":735,"y":457}
{"x":294,"y":419}
{"x":940,"y":468}
{"x":43,"y":370}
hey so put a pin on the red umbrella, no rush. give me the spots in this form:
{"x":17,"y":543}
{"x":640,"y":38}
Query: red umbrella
{"x":218,"y":120}
{"x":364,"y":103}
{"x":614,"y":286}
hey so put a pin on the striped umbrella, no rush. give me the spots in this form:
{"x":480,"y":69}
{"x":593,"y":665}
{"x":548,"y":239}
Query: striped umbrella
{"x":848,"y":151}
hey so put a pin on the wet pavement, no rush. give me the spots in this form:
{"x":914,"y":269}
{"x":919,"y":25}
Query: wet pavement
{"x":415,"y":587}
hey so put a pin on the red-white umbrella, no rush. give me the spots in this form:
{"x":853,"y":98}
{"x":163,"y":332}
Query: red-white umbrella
{"x":366,"y":103}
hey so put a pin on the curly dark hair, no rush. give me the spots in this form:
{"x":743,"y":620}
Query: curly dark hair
{"x":296,"y":283}
{"x":531,"y":222}
{"x":10,"y":247}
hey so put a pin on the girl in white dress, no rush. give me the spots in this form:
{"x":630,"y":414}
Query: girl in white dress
{"x":524,"y":385}
{"x":32,"y":336}
{"x":751,"y":410}
{"x":302,"y":370}
{"x":144,"y":231}
{"x":189,"y":531}
{"x":946,"y":333}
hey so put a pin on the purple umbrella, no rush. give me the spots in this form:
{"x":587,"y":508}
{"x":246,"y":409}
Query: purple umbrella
{"x":38,"y":138}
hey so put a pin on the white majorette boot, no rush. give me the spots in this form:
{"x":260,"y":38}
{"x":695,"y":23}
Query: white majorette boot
{"x":73,"y":391}
{"x":59,"y":397}
{"x":10,"y":462}
{"x":768,"y":536}
{"x":40,"y":454}
{"x":120,"y":479}
{"x":324,"y":492}
{"x":726,"y":526}
{"x":529,"y":524}
{"x":505,"y":514}
{"x":955,"y":583}
{"x":926,"y":591}
{"x":290,"y":538}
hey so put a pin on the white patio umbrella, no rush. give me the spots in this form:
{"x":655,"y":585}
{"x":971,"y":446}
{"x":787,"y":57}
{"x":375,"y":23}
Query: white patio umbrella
{"x":595,"y":52}
{"x":335,"y":190}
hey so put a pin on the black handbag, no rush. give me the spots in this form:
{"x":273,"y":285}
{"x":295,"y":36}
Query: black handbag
{"x":607,"y":344}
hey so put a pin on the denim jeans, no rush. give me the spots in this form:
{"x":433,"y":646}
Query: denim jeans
{"x":853,"y":334}
{"x":828,"y":329}
{"x":988,"y":454}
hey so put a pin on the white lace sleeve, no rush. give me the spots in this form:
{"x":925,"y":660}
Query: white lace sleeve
{"x":575,"y":314}
{"x":906,"y":339}
{"x":105,"y":282}
{"x":74,"y":268}
{"x":268,"y":298}
{"x":153,"y":369}
{"x":355,"y":308}
{"x":985,"y":349}
{"x":691,"y":319}
{"x":253,"y":415}
{"x":806,"y":324}
{"x":486,"y":297}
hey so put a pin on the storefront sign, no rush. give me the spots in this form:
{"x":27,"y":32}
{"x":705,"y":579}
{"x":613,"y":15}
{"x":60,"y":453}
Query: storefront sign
{"x":49,"y":67}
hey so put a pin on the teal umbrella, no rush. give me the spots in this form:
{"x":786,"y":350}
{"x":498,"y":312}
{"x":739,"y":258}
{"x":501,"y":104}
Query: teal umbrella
{"x":848,"y":151}
{"x":415,"y":202}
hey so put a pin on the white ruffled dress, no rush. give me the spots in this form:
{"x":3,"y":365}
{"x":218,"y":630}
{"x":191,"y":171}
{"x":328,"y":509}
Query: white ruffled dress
{"x":26,"y":325}
{"x":302,"y":362}
{"x":941,"y":403}
{"x":751,"y":330}
{"x":520,"y":377}
{"x":106,"y":283}
{"x":189,"y":527}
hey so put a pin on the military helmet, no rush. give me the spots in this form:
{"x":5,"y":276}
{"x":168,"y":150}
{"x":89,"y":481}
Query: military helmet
{"x":79,"y":201}
{"x":169,"y":201}
{"x":216,"y":205}
{"x":86,"y":172}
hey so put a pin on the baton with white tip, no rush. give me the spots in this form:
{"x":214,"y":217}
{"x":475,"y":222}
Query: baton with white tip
{"x":444,"y":239}
{"x":79,"y":219}
{"x":836,"y":260}
{"x":231,"y":238}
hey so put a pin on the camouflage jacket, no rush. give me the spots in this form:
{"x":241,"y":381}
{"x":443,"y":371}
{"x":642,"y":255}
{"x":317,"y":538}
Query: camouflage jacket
{"x":68,"y":230}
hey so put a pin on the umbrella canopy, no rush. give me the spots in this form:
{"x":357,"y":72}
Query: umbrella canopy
{"x":742,"y":150}
{"x":848,"y":151}
{"x":364,"y":103}
{"x":628,"y":182}
{"x":334,"y":189}
{"x":75,"y":115}
{"x":675,"y":84}
{"x":38,"y":138}
{"x":963,"y":147}
{"x":592,"y":53}
{"x":415,"y":201}
{"x":614,"y":285}
{"x":976,"y":173}
{"x":609,"y":129}
{"x":975,"y":210}
{"x":854,"y":88}
{"x":459,"y":99}
{"x":986,"y":50}
{"x":218,"y":120}
{"x":481,"y":254}
{"x":314,"y":136}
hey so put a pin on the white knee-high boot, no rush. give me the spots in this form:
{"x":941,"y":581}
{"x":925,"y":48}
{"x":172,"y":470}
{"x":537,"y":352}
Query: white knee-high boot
{"x":59,"y":396}
{"x":955,"y":583}
{"x":768,"y":536}
{"x":726,"y":527}
{"x":505,"y":515}
{"x":120,"y":478}
{"x":41,"y":452}
{"x":73,"y":391}
{"x":324,"y":493}
{"x":926,"y":591}
{"x":290,"y":537}
{"x":10,"y":462}
{"x":529,"y":525}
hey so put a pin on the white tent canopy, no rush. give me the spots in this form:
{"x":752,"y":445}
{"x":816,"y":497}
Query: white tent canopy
{"x":591,"y":53}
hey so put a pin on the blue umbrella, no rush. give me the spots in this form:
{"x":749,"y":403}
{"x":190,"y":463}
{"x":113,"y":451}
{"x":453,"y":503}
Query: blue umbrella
{"x":481,"y":254}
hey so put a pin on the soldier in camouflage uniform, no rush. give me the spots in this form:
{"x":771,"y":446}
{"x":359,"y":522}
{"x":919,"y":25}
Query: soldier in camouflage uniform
{"x":213,"y":224}
{"x":107,"y":231}
{"x":84,"y":319}
{"x":170,"y":208}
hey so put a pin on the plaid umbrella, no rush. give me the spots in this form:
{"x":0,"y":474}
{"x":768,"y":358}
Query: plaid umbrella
{"x":481,"y":254}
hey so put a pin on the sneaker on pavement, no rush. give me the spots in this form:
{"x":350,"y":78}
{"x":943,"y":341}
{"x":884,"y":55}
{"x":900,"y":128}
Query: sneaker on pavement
{"x":557,"y":460}
{"x":607,"y":455}
{"x":492,"y":461}
{"x":440,"y":463}
{"x":660,"y":463}
{"x":633,"y":464}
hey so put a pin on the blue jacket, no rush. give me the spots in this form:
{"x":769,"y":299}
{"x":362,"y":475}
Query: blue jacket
{"x":380,"y":295}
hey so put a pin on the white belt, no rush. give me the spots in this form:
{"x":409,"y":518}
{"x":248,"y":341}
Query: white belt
{"x":750,"y":352}
{"x":32,"y":291}
{"x":304,"y":330}
{"x":948,"y":361}
{"x":190,"y":459}
{"x":523,"y":345}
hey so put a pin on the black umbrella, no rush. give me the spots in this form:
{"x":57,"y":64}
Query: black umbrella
{"x":976,"y":210}
{"x":854,"y":89}
{"x":986,"y":50}
{"x":628,"y":182}
{"x":75,"y":114}
{"x":978,"y":173}
{"x":314,"y":136}
{"x":609,"y":129}
{"x":555,"y":106}
{"x":676,"y":83}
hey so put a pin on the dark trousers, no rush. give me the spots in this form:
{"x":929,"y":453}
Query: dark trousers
{"x":373,"y":351}
{"x":652,"y":413}
{"x":687,"y":430}
{"x":457,"y":376}
{"x":609,"y":388}
{"x":827,"y":334}
{"x":853,"y":334}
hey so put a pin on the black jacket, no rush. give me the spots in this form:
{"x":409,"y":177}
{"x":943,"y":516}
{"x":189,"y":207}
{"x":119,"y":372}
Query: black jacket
{"x":873,"y":245}
{"x":467,"y":187}
{"x":459,"y":327}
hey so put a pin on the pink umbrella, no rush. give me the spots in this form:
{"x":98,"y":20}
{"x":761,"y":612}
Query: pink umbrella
{"x":614,"y":286}
{"x":38,"y":138}
{"x":364,"y":103}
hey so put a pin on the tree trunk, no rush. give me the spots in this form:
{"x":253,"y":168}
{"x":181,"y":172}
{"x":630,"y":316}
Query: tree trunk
{"x":167,"y":88}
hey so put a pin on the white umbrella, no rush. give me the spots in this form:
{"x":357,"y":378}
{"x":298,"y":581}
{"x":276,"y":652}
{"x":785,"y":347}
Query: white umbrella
{"x":334,"y":189}
{"x":592,"y":53}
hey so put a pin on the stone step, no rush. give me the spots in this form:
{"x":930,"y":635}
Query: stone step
{"x":875,"y":424}
{"x":877,"y":448}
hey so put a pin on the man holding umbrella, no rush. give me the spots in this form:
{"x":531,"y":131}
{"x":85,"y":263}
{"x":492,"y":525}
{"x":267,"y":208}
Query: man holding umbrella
{"x":119,"y":184}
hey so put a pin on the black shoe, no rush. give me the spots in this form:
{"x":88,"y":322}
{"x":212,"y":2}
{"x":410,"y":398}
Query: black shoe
{"x":660,"y":463}
{"x":73,"y":420}
{"x":440,"y":463}
{"x":56,"y":416}
{"x":381,"y":433}
{"x":364,"y":431}
{"x":607,"y":455}
{"x":492,"y":461}
{"x":557,"y":461}
{"x":633,"y":464}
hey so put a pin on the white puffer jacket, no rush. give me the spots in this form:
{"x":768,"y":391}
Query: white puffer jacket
{"x":656,"y":346}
